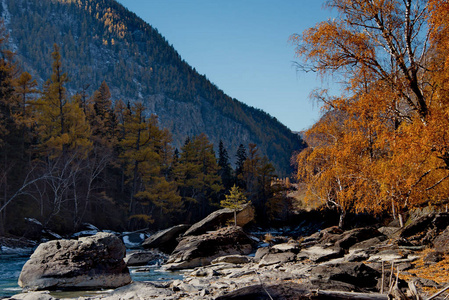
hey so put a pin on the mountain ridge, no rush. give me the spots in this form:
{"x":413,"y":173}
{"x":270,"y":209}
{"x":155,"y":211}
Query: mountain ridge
{"x":102,"y":40}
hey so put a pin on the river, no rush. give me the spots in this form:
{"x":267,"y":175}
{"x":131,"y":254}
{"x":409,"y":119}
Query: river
{"x":11,"y":265}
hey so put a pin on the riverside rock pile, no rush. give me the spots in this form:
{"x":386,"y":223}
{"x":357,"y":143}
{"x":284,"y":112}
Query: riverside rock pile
{"x":330,"y":264}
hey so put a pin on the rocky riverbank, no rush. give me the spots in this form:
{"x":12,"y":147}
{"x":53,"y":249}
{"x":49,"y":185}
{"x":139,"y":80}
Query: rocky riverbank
{"x":362,"y":263}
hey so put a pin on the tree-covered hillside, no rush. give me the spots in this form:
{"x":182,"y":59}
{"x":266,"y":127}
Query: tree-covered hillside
{"x":102,"y":40}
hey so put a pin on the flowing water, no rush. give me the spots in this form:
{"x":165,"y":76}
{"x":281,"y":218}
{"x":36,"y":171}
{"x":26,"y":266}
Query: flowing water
{"x":11,"y":265}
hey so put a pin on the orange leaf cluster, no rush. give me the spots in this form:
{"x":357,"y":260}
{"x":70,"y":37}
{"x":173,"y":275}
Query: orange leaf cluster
{"x":384,"y":144}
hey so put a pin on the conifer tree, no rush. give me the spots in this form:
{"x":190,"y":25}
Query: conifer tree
{"x":241,"y":157}
{"x":144,"y":148}
{"x":234,"y":201}
{"x":257,"y":175}
{"x":197,"y":176}
{"x":225,"y":171}
{"x":63,"y":145}
{"x":10,"y":134}
{"x":61,"y":121}
{"x":102,"y":118}
{"x":25,"y":87}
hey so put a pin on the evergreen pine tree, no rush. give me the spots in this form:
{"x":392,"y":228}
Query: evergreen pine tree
{"x":225,"y":171}
{"x":241,"y":157}
{"x":197,"y":177}
{"x":234,"y":201}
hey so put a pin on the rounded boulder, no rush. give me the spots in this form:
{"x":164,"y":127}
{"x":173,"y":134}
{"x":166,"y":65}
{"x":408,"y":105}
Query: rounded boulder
{"x":89,"y":262}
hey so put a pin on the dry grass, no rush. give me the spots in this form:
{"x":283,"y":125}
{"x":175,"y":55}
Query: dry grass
{"x":438,"y":272}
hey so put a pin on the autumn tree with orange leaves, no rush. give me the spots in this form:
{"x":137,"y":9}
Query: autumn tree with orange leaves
{"x":383,"y":145}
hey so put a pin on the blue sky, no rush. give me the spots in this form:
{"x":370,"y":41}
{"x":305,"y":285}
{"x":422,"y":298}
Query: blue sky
{"x":242,"y":47}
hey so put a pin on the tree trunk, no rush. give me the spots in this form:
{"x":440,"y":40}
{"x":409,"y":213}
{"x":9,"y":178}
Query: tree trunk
{"x":341,"y":222}
{"x":401,"y":220}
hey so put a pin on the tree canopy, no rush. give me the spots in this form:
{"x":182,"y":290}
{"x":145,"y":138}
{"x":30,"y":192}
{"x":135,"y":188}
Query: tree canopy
{"x":382,"y":144}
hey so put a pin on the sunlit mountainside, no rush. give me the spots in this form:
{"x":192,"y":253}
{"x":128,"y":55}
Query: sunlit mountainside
{"x":102,"y":40}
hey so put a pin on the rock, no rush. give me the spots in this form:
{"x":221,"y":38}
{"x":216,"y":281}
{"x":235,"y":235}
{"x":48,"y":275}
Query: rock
{"x":319,"y":253}
{"x":165,"y":240}
{"x":404,"y":266}
{"x":261,"y":252}
{"x":140,"y":290}
{"x":277,"y":239}
{"x":334,"y":236}
{"x":277,"y":258}
{"x":45,"y":295}
{"x":389,"y":231}
{"x":198,"y":283}
{"x":133,"y":240}
{"x":32,"y":229}
{"x":279,"y":292}
{"x":441,"y":242}
{"x":286,"y":247}
{"x":424,"y":230}
{"x":441,"y":221}
{"x":195,"y":251}
{"x":219,"y":218}
{"x":293,"y":291}
{"x":371,"y":243}
{"x":142,"y":258}
{"x":417,"y":226}
{"x":388,"y":255}
{"x":232,"y":259}
{"x":423,"y":282}
{"x":17,"y":246}
{"x":357,"y":274}
{"x":203,"y":272}
{"x":357,"y":255}
{"x":433,"y":257}
{"x":90,"y":262}
{"x":326,"y":232}
{"x":278,"y":254}
{"x":86,"y":229}
{"x":354,"y":236}
{"x":219,"y":269}
{"x":204,"y":292}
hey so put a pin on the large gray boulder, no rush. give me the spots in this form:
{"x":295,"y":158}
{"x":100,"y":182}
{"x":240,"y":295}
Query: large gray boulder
{"x":89,"y":262}
{"x":220,"y":217}
{"x":165,"y":240}
{"x":195,"y":251}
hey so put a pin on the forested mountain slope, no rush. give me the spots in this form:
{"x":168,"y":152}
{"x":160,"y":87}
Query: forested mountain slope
{"x":102,"y":40}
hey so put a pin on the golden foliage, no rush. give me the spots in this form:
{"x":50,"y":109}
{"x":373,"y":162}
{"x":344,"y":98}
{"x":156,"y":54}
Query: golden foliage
{"x":384,"y":143}
{"x":438,"y":272}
